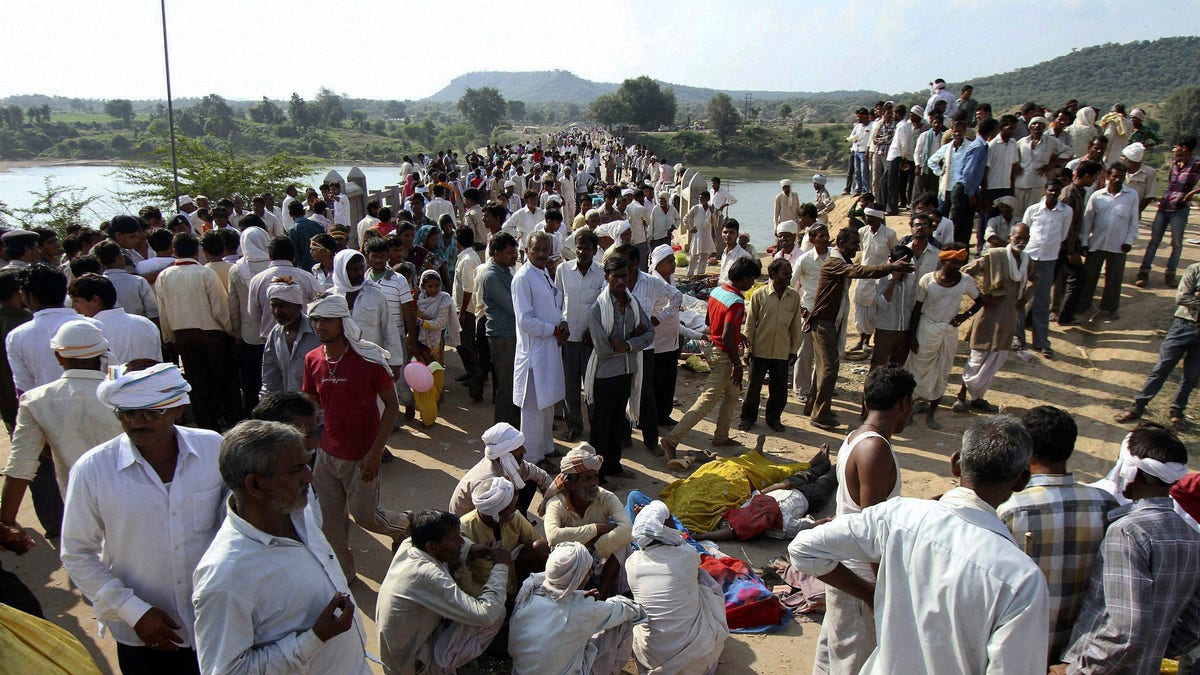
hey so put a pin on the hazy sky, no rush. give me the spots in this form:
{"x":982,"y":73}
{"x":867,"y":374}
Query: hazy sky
{"x":402,"y":49}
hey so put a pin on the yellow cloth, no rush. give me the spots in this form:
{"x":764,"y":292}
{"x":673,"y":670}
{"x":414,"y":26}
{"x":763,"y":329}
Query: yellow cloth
{"x":33,"y":645}
{"x":427,"y":401}
{"x":700,"y":500}
{"x":473,"y":576}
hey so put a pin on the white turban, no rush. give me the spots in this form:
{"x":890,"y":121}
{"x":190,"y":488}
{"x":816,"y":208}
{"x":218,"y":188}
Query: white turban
{"x":159,"y":386}
{"x":649,"y":526}
{"x":1134,"y":152}
{"x":1045,"y":122}
{"x":341,"y":281}
{"x":581,"y":458}
{"x":492,"y":495}
{"x":661,"y":253}
{"x":1127,"y":466}
{"x":79,"y":339}
{"x":619,"y":228}
{"x":787,"y":226}
{"x":568,"y":567}
{"x":819,"y":179}
{"x":500,"y":440}
{"x":1139,"y":114}
{"x":285,"y":289}
{"x":509,"y":184}
{"x":917,"y":110}
{"x":678,"y":167}
{"x":184,"y":200}
{"x":874,"y":213}
{"x":626,"y":192}
{"x":335,"y":307}
{"x":786,"y":182}
{"x":1007,"y":200}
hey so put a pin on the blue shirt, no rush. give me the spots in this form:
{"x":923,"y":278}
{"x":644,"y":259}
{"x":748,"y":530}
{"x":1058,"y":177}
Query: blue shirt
{"x":969,"y":172}
{"x":301,"y":233}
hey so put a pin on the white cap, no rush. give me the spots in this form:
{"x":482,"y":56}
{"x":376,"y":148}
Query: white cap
{"x":660,"y":253}
{"x":787,"y":226}
{"x":786,"y":182}
{"x":873,"y":212}
{"x":1134,"y":152}
{"x":185,"y":199}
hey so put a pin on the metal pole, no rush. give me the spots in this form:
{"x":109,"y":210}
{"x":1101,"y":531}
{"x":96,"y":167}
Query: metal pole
{"x":170,"y":105}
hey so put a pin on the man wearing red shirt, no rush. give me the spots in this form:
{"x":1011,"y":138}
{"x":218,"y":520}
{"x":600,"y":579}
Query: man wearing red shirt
{"x":346,"y":376}
{"x":726,"y":311}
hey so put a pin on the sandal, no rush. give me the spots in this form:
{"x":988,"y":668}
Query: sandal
{"x":1127,"y":416}
{"x":681,"y":463}
{"x":960,"y":406}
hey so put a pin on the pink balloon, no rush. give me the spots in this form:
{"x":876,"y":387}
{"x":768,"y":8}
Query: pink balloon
{"x":418,"y":377}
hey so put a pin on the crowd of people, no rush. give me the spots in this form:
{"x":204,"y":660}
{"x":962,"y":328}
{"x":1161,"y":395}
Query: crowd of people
{"x":224,"y":385}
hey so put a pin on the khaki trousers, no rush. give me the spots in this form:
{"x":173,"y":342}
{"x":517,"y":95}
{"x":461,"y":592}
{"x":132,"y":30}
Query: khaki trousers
{"x":342,"y":494}
{"x":718,"y":387}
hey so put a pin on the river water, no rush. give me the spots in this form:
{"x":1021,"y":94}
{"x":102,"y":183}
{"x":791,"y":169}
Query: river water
{"x":754,"y":190}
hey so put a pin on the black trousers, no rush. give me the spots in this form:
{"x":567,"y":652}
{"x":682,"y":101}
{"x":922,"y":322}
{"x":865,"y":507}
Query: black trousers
{"x":504,"y":354}
{"x":15,"y":594}
{"x":777,"y":389}
{"x":648,"y":409}
{"x":250,"y":359}
{"x":1070,"y":281}
{"x":609,"y":425}
{"x":147,"y":661}
{"x":849,"y":173}
{"x":47,"y":500}
{"x":466,"y":347}
{"x":666,"y":370}
{"x":962,"y":213}
{"x":483,"y":355}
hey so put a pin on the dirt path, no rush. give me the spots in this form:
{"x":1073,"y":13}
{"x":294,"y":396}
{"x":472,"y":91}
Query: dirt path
{"x":1097,"y":369}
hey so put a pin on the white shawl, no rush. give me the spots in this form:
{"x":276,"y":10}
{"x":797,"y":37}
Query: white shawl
{"x":607,"y":318}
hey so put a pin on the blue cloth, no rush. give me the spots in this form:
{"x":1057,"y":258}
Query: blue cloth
{"x":969,"y":172}
{"x":301,"y":233}
{"x":636,"y":499}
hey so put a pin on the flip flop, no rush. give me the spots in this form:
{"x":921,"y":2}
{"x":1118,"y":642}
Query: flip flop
{"x":681,"y":463}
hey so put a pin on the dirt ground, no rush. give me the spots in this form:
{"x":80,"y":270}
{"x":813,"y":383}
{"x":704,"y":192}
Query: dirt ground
{"x":1096,"y":370}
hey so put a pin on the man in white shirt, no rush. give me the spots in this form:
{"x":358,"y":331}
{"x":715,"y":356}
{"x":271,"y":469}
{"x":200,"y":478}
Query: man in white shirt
{"x":729,"y":234}
{"x":1038,"y":155}
{"x":721,"y":199}
{"x":466,"y":303}
{"x":860,"y":138}
{"x":899,"y":156}
{"x":541,"y":331}
{"x":1110,"y":226}
{"x":473,"y":214}
{"x":282,"y":253}
{"x":439,"y":206}
{"x":129,"y":336}
{"x":245,"y":620}
{"x":664,"y":219}
{"x":29,"y":356}
{"x":341,"y":205}
{"x":581,"y":281}
{"x":1049,"y":222}
{"x":806,"y":274}
{"x":64,"y":414}
{"x":951,"y":552}
{"x":939,"y":92}
{"x":523,"y":222}
{"x":639,"y":222}
{"x":368,"y":221}
{"x":133,"y":292}
{"x":787,"y":203}
{"x":1139,"y":177}
{"x":927,"y":143}
{"x":141,"y":510}
{"x":1002,"y":157}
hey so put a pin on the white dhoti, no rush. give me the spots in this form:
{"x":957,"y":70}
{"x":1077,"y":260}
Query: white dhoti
{"x":865,"y":310}
{"x":457,"y":644}
{"x":931,"y":364}
{"x":537,"y":424}
{"x":802,"y":374}
{"x":847,"y":635}
{"x":980,"y":369}
{"x":614,"y":648}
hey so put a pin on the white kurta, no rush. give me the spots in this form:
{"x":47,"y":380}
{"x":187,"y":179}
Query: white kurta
{"x":687,"y":627}
{"x":538,"y":306}
{"x":937,"y":340}
{"x":546,"y":637}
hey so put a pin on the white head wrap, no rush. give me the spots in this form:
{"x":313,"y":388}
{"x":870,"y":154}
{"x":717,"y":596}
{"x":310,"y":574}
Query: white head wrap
{"x":79,"y":339}
{"x":254,"y":249}
{"x":581,"y":458}
{"x":500,"y":440}
{"x":184,"y":200}
{"x":1139,"y":114}
{"x":341,"y":282}
{"x":1007,"y":200}
{"x":335,"y":307}
{"x":819,"y":179}
{"x":917,"y":110}
{"x":1127,"y":466}
{"x":786,"y":182}
{"x":660,"y":253}
{"x":678,"y":167}
{"x":619,"y":228}
{"x":159,"y":386}
{"x":492,"y":495}
{"x":1134,"y":152}
{"x":568,"y":567}
{"x":285,"y":289}
{"x":1045,"y":122}
{"x":874,"y":212}
{"x":648,"y":527}
{"x":626,"y":192}
{"x":787,"y":226}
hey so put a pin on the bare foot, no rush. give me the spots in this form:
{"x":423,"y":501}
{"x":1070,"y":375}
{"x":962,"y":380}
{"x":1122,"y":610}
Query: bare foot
{"x":821,"y":458}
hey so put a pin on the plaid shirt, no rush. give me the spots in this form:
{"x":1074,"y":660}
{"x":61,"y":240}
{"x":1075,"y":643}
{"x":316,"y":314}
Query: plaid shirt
{"x":1143,"y":600}
{"x":1060,"y":524}
{"x":1180,"y":181}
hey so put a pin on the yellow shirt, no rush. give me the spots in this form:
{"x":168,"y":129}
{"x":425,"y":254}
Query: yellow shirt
{"x":472,"y":576}
{"x":773,"y":325}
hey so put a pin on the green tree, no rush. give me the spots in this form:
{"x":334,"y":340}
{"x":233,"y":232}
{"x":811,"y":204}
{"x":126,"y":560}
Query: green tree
{"x":483,"y":108}
{"x":1181,"y":114}
{"x":119,"y":108}
{"x":266,"y":112}
{"x":649,"y":104}
{"x":328,"y":107}
{"x":299,"y":112}
{"x":516,"y":110}
{"x":213,"y":169}
{"x":14,"y":117}
{"x":785,"y":111}
{"x":609,"y":109}
{"x":394,"y":110}
{"x":723,"y":117}
{"x":357,"y":119}
{"x":56,"y":206}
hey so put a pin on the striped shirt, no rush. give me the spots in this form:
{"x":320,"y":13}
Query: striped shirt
{"x":1143,"y":599}
{"x":1060,"y":524}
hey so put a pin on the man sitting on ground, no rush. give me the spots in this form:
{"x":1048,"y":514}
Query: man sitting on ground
{"x":503,"y":455}
{"x":496,"y":519}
